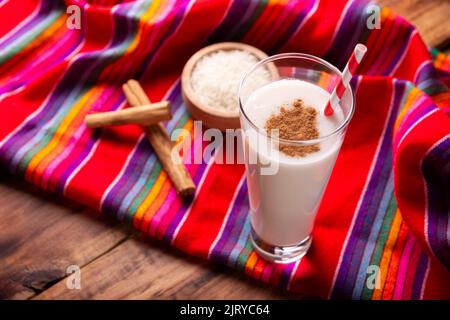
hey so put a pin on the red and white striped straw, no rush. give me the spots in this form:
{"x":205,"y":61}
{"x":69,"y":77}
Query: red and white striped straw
{"x":336,"y":96}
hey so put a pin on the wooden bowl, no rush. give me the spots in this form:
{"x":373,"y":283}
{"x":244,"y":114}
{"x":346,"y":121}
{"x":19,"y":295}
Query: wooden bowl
{"x":211,"y":117}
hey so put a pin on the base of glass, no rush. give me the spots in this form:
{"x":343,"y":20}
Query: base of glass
{"x":280,"y":254}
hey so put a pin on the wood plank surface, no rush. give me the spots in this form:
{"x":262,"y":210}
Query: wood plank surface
{"x":41,"y":235}
{"x":141,"y":269}
{"x":431,"y":17}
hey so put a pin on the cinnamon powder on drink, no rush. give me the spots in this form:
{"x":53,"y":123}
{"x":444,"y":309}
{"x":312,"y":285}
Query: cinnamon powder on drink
{"x":295,"y":122}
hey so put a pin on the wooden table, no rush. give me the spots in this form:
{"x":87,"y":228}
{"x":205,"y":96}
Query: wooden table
{"x":41,"y":235}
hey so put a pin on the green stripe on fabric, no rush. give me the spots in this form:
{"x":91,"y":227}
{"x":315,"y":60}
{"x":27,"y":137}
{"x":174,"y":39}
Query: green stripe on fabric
{"x":243,"y":256}
{"x":11,"y":50}
{"x":150,"y":182}
{"x":65,"y":109}
{"x":246,"y":27}
{"x":131,"y":212}
{"x":381,"y":241}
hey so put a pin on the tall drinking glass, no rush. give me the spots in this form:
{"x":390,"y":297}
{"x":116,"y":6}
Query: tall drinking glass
{"x":285,"y":191}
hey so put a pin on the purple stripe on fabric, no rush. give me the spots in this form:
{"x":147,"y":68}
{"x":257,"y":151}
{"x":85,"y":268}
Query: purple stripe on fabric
{"x":176,"y":219}
{"x":368,"y":212}
{"x":128,"y":179}
{"x":235,"y":234}
{"x":83,"y":154}
{"x":87,"y":139}
{"x":46,"y":8}
{"x":342,"y":46}
{"x":180,"y":9}
{"x":222,"y":32}
{"x":172,"y":204}
{"x":420,"y":110}
{"x":436,"y":171}
{"x":399,"y":30}
{"x":286,"y":275}
{"x":420,"y":276}
{"x":369,"y":205}
{"x":155,"y":226}
{"x":138,"y":160}
{"x":74,"y":43}
{"x":75,"y":160}
{"x":8,"y":87}
{"x":284,"y":37}
{"x":73,"y":79}
{"x":425,"y":73}
{"x":246,"y":17}
{"x":182,"y":211}
{"x":402,"y":38}
{"x":233,"y":227}
{"x":135,"y":167}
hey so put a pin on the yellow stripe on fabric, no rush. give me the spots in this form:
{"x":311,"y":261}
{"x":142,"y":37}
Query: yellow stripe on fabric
{"x":61,"y":130}
{"x":387,"y":253}
{"x":387,"y":13}
{"x":52,"y":144}
{"x":143,"y":207}
{"x":36,"y":160}
{"x":51,"y":30}
{"x":187,"y":131}
{"x":66,"y":136}
{"x":410,"y":100}
{"x":251,"y":262}
{"x":155,"y":205}
{"x":159,"y":182}
{"x":147,"y":17}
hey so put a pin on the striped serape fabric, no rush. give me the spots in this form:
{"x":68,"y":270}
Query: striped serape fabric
{"x":382,"y":231}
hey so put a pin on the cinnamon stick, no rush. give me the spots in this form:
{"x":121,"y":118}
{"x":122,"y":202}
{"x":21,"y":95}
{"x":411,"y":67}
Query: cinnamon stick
{"x":160,"y":141}
{"x":143,"y":115}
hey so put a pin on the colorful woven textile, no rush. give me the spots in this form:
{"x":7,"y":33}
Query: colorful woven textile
{"x":392,"y":216}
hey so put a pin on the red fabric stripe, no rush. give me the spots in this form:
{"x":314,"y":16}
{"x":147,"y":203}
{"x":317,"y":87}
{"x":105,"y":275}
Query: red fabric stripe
{"x":92,"y":192}
{"x":37,"y":91}
{"x":27,"y":101}
{"x":437,"y":284}
{"x":197,"y":31}
{"x":187,"y":40}
{"x":414,"y":57}
{"x":292,"y":15}
{"x":375,"y":42}
{"x":14,"y":12}
{"x":267,"y":20}
{"x":339,"y":203}
{"x":259,"y":268}
{"x":129,"y":134}
{"x":318,"y":28}
{"x":396,"y":41}
{"x":397,"y":251}
{"x":411,"y":272}
{"x":101,"y":167}
{"x":208,"y":211}
{"x":20,"y":61}
{"x":408,"y":179}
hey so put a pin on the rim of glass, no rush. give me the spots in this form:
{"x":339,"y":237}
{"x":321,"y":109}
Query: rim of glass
{"x":303,"y":56}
